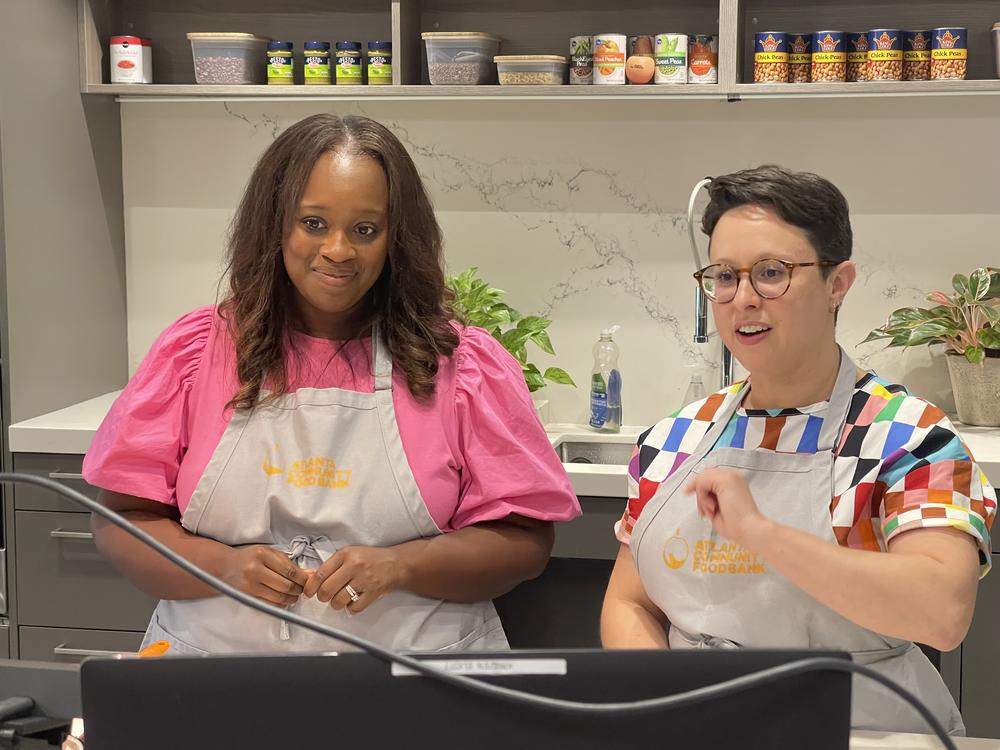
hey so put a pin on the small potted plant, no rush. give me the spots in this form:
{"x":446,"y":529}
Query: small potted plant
{"x":476,"y":303}
{"x":968,"y":323}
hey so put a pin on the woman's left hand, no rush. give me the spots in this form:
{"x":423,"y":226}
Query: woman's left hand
{"x":371,"y":571}
{"x":724,"y":498}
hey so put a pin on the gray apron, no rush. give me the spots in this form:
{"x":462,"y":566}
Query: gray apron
{"x":317,"y":470}
{"x":717,"y":594}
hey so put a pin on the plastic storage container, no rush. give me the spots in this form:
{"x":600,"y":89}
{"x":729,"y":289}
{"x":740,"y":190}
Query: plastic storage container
{"x":459,"y":57}
{"x":531,"y":70}
{"x":228,"y":58}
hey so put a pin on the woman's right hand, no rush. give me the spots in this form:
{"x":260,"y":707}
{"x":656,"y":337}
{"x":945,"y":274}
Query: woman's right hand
{"x":263,"y":572}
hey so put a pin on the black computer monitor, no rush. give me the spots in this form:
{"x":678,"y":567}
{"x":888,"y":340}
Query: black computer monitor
{"x":355,"y":701}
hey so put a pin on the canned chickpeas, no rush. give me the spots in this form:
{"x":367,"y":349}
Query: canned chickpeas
{"x":916,"y":55}
{"x":857,"y":56}
{"x":799,"y":57}
{"x":770,"y":58}
{"x":949,"y":53}
{"x":829,"y":58}
{"x":885,"y":55}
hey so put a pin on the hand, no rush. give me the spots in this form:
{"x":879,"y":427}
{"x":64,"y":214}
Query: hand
{"x":265,"y":573}
{"x":371,"y":571}
{"x":725,"y":499}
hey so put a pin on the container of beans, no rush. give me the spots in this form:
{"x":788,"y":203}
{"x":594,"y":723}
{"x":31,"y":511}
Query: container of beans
{"x":770,"y":57}
{"x":829,"y":57}
{"x":799,"y":57}
{"x":916,"y":55}
{"x":885,"y":55}
{"x":857,"y":56}
{"x":949,"y":53}
{"x":228,"y":57}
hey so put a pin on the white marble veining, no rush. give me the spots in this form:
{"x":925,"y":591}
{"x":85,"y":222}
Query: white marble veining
{"x":577,"y":210}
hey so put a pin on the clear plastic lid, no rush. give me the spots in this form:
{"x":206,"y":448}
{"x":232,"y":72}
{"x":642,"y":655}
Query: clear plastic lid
{"x":529,"y":58}
{"x":225,"y":35}
{"x":460,"y":35}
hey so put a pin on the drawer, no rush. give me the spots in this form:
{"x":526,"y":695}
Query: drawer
{"x":62,"y":467}
{"x":4,"y":641}
{"x":74,"y":645}
{"x":592,"y":535}
{"x":62,"y":580}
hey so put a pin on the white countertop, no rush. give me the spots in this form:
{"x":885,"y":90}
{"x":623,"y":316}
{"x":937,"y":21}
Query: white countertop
{"x":896,"y":741}
{"x":71,"y":430}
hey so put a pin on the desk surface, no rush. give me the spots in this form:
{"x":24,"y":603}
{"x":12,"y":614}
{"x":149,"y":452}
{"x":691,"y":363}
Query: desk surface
{"x":882,"y":741}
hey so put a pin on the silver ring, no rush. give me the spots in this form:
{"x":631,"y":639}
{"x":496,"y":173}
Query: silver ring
{"x":352,"y":593}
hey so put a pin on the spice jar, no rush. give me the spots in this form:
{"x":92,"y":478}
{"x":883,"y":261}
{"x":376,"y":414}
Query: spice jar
{"x":581,"y":59}
{"x":799,"y":58}
{"x":829,"y":58}
{"x":916,"y":55}
{"x":949,"y":53}
{"x":316,"y":69}
{"x":770,"y":57}
{"x":885,"y":55}
{"x":280,"y":69}
{"x":857,"y":56}
{"x":349,"y":63}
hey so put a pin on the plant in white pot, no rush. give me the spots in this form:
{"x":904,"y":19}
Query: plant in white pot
{"x":478,"y":304}
{"x":968,"y":323}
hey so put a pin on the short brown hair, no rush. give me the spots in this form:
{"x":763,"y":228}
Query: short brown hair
{"x":409,"y":301}
{"x":802,"y":199}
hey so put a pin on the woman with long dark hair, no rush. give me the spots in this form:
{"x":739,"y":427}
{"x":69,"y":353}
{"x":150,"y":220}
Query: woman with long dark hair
{"x":328,"y":438}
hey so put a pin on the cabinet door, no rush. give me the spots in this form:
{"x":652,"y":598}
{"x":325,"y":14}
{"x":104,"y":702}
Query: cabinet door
{"x":592,"y":535}
{"x":63,"y":581}
{"x":981,"y":660}
{"x":62,"y":467}
{"x":74,"y":645}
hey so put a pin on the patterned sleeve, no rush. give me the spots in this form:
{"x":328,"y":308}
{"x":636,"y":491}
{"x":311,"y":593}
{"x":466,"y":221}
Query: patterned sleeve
{"x":623,"y":527}
{"x":931,"y":480}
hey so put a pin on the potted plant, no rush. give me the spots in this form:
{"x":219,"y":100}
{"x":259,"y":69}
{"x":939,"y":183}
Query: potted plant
{"x":968,"y":323}
{"x":476,"y":303}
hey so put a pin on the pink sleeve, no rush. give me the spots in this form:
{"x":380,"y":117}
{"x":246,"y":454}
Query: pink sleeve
{"x":138,"y":448}
{"x":508,"y":464}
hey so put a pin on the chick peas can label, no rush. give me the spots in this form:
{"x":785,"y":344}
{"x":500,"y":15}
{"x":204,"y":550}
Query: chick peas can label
{"x":828,"y":47}
{"x":770,"y":47}
{"x":671,"y":58}
{"x":609,"y":58}
{"x":949,"y":44}
{"x":703,"y":58}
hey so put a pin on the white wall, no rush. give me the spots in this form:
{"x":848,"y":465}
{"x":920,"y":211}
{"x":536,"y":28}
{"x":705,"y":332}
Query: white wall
{"x":576,"y":209}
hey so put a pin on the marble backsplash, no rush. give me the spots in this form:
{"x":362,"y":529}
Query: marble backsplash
{"x":577,"y":210}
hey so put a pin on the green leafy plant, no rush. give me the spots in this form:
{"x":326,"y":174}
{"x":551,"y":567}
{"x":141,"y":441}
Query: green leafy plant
{"x":479,"y":304}
{"x":968,"y":321}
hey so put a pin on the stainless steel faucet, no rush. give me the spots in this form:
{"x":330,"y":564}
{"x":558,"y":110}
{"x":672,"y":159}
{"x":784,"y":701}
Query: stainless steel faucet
{"x":701,"y":335}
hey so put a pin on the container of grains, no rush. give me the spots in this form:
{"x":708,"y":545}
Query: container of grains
{"x":581,"y":60}
{"x":228,"y":58}
{"x":885,"y":55}
{"x":857,"y":56}
{"x":349,"y":63}
{"x":280,"y":70}
{"x":531,"y":70}
{"x":829,"y":57}
{"x":703,"y":58}
{"x":609,"y":58}
{"x":379,"y":63}
{"x":949,"y":53}
{"x":916,"y":55}
{"x":770,"y":57}
{"x":799,"y":57}
{"x":671,"y":58}
{"x":316,"y":63}
{"x":460,"y":58}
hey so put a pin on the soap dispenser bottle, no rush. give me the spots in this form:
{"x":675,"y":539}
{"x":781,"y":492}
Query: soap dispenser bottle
{"x":606,"y":385}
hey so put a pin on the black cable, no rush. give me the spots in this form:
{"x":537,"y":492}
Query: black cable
{"x":426,"y":668}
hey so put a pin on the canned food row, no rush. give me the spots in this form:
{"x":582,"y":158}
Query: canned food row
{"x":663,"y":58}
{"x":875,"y":55}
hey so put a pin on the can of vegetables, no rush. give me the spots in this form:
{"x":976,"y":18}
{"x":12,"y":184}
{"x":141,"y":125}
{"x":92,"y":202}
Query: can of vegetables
{"x":609,"y":58}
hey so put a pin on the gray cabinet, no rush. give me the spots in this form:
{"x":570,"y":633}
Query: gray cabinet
{"x":64,"y":468}
{"x":592,"y":535}
{"x":981,"y":660}
{"x":74,"y":645}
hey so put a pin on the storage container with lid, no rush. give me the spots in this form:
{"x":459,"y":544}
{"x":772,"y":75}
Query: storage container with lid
{"x":531,"y":70}
{"x":228,"y":57}
{"x":460,"y":57}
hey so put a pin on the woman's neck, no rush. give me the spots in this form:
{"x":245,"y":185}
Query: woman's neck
{"x":809,"y":381}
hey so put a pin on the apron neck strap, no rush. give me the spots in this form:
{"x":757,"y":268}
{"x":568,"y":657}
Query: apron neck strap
{"x":840,"y":402}
{"x":382,"y":361}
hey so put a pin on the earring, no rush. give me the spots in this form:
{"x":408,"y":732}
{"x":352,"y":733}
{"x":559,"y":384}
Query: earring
{"x":835,"y":307}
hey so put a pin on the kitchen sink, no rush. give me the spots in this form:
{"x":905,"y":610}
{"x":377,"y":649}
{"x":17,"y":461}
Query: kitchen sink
{"x":595,"y":452}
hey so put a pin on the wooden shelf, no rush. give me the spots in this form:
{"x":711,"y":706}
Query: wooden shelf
{"x":873,"y":88}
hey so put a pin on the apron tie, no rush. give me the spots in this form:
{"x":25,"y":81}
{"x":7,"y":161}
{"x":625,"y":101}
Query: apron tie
{"x":302,"y":551}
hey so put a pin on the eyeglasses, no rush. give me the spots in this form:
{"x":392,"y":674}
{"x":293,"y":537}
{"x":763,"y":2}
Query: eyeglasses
{"x":769,"y":277}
